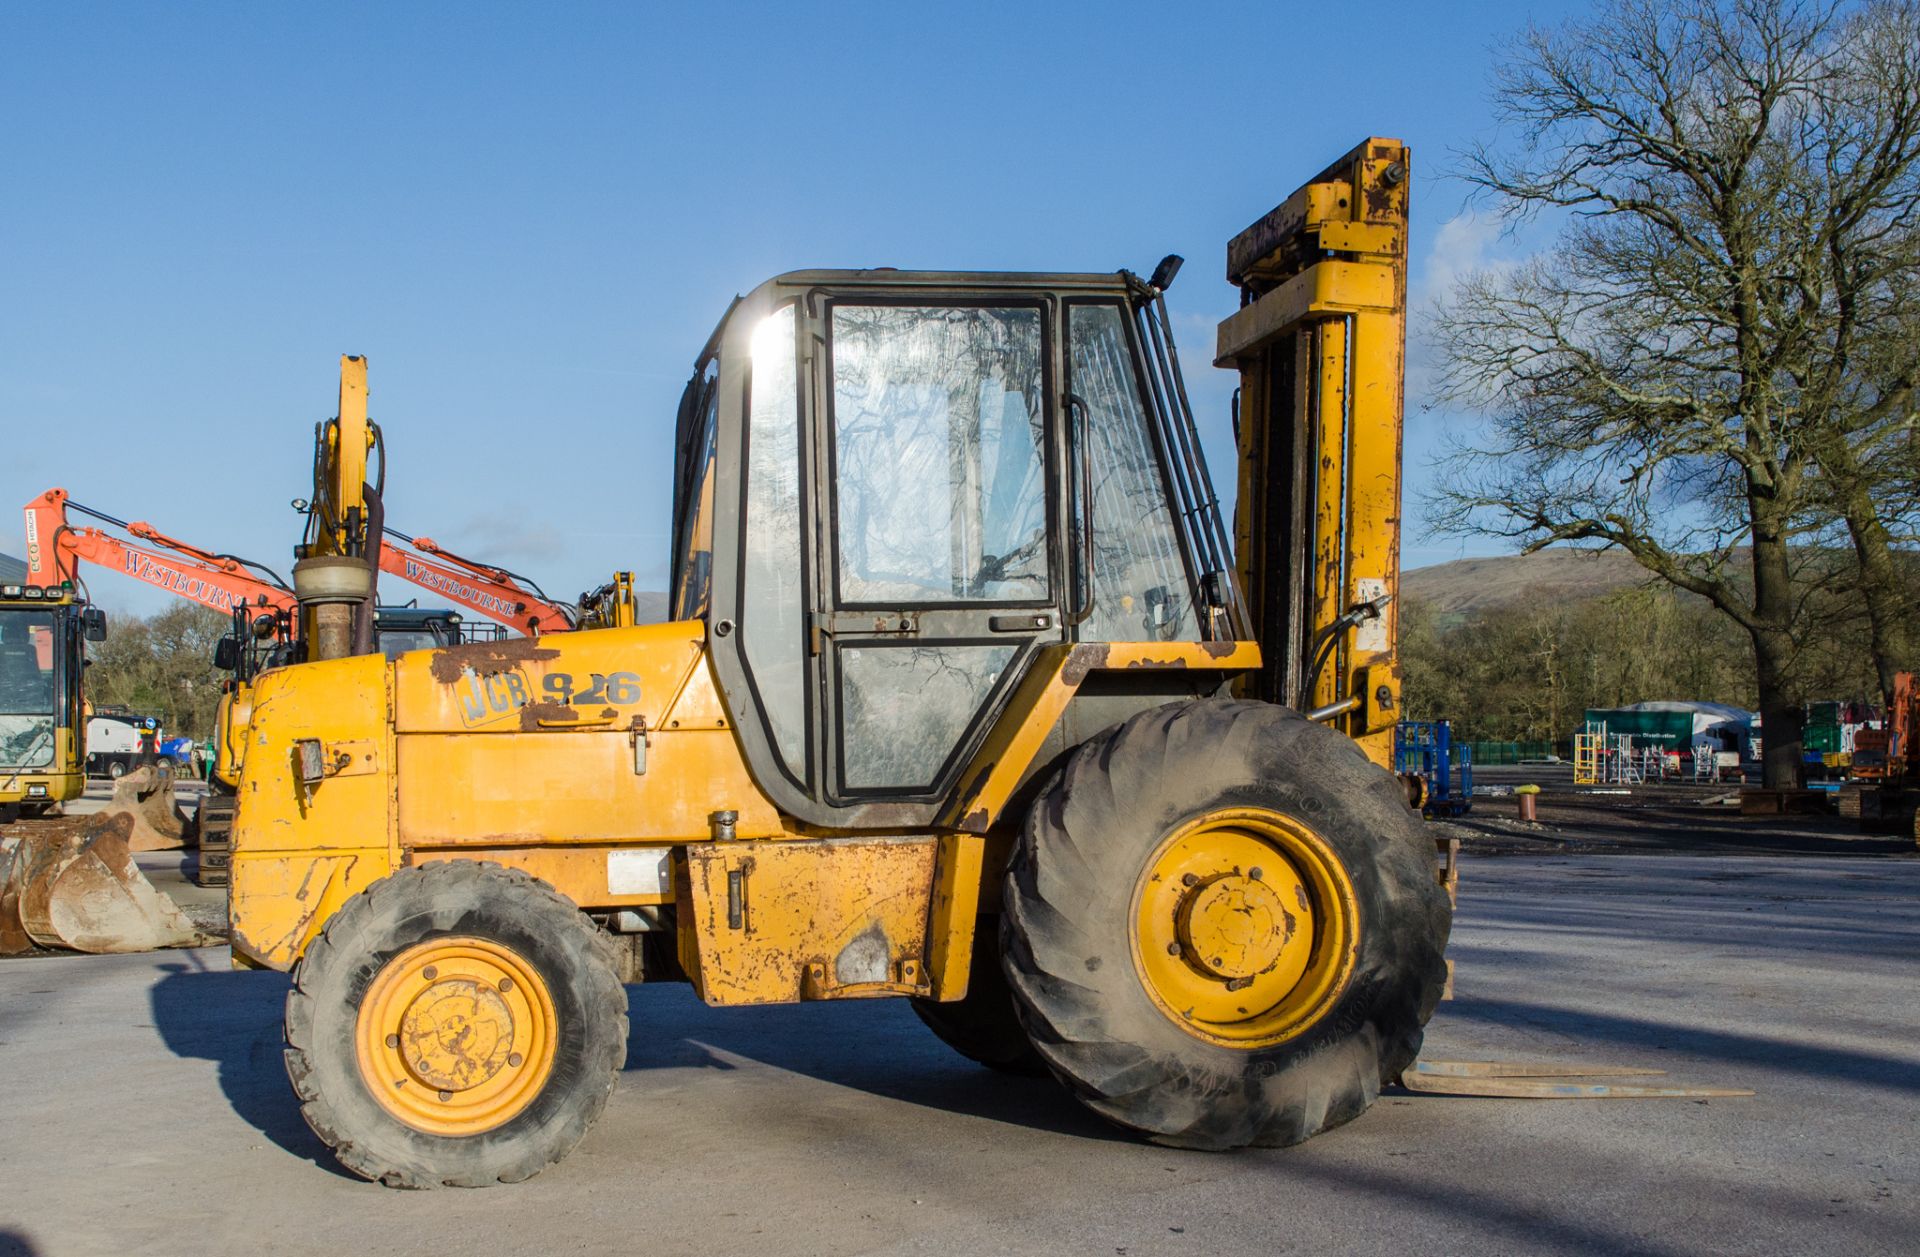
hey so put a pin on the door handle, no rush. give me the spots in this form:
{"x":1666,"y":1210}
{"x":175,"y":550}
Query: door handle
{"x":1020,"y":623}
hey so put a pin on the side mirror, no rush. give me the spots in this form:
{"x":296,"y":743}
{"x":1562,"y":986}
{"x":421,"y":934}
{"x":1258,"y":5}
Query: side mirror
{"x":94,"y":622}
{"x":226,"y":654}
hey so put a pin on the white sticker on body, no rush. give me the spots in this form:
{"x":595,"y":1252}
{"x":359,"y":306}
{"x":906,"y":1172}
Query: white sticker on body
{"x":1370,"y":635}
{"x":648,"y":871}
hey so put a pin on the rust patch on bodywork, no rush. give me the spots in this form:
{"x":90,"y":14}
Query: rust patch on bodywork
{"x":1219,"y":650}
{"x":1082,"y":660}
{"x":533,"y":713}
{"x":1175,"y":662}
{"x":976,"y":821}
{"x":452,"y":662}
{"x":1379,"y":200}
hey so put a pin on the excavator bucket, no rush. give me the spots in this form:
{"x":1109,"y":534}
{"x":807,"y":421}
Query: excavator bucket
{"x":13,"y":933}
{"x":74,"y":884}
{"x":146,"y":795}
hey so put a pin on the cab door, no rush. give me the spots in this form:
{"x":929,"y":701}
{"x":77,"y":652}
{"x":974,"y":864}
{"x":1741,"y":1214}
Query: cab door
{"x":941,"y":569}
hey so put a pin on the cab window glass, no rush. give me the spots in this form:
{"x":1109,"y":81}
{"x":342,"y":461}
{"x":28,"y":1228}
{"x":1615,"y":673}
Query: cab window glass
{"x":1140,"y":584}
{"x":773,"y":595}
{"x":938,"y":427}
{"x":694,"y":589}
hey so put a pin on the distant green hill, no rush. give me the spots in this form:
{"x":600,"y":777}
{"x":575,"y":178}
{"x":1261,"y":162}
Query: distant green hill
{"x":1466,"y":587}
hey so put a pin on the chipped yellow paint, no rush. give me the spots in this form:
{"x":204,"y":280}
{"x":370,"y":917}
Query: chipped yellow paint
{"x":1327,"y":273}
{"x":1037,"y":703}
{"x":771,"y":922}
{"x":592,"y":876}
{"x":468,"y":752}
{"x":956,"y":909}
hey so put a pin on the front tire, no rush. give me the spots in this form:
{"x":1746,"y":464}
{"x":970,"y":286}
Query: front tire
{"x":456,"y":1024}
{"x":1224,"y":926}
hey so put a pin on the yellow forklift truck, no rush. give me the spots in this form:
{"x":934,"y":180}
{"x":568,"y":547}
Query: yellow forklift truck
{"x":966,"y":698}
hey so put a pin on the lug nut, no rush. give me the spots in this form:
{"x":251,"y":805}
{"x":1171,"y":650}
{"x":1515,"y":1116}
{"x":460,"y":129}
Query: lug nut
{"x":429,"y":973}
{"x":1188,"y":880}
{"x":1254,"y":873}
{"x":515,"y":1059}
{"x":506,"y":984}
{"x":393,"y":1040}
{"x":1173,"y":949}
{"x":445,"y":1096}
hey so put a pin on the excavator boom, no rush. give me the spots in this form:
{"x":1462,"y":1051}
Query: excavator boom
{"x":56,"y":548}
{"x":494,"y":592}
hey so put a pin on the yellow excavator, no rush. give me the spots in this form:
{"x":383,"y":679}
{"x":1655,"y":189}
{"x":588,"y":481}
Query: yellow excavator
{"x":43,"y":637}
{"x":967,"y":698}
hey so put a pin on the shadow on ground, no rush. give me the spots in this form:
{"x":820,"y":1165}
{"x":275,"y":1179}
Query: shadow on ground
{"x":875,"y":1046}
{"x":233,"y":1019}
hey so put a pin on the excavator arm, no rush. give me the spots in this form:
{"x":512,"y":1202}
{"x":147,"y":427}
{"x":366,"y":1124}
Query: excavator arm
{"x":494,"y":592}
{"x":56,"y":547}
{"x":334,"y":575}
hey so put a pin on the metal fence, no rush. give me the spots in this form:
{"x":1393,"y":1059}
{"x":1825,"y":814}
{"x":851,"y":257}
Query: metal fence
{"x":1517,"y":752}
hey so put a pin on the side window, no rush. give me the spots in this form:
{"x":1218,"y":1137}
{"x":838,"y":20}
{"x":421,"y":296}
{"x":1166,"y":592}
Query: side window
{"x":1140,"y":583}
{"x":773,"y":594}
{"x":693,"y":592}
{"x":939,"y":469}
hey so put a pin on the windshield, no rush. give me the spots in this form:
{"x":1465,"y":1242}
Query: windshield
{"x":27,"y":687}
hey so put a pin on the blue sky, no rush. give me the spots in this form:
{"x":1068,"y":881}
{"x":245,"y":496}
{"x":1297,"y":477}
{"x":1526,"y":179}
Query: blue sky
{"x":530,"y":217}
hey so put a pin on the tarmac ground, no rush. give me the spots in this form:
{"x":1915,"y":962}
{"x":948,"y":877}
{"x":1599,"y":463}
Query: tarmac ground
{"x":145,"y":1108}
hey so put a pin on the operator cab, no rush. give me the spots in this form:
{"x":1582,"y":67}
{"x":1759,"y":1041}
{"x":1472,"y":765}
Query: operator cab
{"x":398,"y":630}
{"x":43,"y":636}
{"x":884,"y":486}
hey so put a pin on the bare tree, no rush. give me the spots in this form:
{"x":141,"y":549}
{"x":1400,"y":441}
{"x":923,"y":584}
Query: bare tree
{"x":1738,"y":183}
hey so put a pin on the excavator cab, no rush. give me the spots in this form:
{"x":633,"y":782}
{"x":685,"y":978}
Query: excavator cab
{"x":43,"y":636}
{"x":960,"y":703}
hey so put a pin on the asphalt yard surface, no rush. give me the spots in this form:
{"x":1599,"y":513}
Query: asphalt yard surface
{"x":143,"y":1107}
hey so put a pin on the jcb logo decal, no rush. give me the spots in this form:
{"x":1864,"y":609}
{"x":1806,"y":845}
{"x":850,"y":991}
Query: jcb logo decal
{"x":486,"y":699}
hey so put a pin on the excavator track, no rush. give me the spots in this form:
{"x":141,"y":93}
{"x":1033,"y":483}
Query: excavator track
{"x":215,"y":824}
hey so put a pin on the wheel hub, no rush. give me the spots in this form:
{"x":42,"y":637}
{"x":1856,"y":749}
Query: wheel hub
{"x":1234,"y":926}
{"x":456,"y":1035}
{"x":1244,"y":927}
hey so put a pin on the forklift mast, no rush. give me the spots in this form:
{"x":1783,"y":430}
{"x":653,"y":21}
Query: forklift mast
{"x":1319,"y":342}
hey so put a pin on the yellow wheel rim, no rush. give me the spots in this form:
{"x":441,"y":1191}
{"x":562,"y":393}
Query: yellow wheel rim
{"x":1245,"y":927}
{"x":456,"y":1036}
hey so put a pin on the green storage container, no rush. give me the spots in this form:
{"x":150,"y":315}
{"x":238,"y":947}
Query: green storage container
{"x":1821,"y":737}
{"x":1669,"y":730}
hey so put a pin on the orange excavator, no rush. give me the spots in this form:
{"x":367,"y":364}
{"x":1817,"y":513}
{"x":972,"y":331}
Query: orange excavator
{"x":226,"y":582}
{"x":266,"y":613}
{"x":1883,"y":790}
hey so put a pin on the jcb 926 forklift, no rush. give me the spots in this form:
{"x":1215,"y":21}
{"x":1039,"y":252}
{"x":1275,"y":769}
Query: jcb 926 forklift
{"x":966,"y":698}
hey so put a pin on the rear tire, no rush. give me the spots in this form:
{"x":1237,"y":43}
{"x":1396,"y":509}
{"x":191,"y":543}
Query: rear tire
{"x":982,"y":1025}
{"x":1205,"y":1038}
{"x":486,"y":1002}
